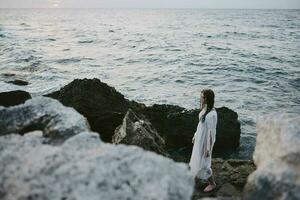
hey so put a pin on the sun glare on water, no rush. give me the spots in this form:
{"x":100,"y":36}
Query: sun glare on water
{"x":55,"y":3}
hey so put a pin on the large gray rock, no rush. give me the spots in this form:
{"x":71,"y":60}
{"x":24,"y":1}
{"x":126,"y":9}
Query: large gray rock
{"x":83,"y":167}
{"x":41,"y":113}
{"x":277,"y":156}
{"x":137,"y":130}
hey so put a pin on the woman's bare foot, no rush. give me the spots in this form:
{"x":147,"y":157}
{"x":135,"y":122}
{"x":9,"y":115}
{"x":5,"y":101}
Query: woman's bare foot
{"x":209,"y":188}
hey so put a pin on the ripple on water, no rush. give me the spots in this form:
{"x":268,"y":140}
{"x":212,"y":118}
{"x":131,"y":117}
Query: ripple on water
{"x":295,"y":82}
{"x":217,"y":48}
{"x":24,"y":24}
{"x":85,"y":41}
{"x":249,"y":62}
{"x":51,"y":39}
{"x":72,"y":60}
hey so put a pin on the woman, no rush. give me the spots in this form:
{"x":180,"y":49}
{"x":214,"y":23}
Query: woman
{"x":204,"y":139}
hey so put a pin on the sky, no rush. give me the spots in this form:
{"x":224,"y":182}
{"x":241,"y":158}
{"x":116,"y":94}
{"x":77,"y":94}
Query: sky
{"x":217,"y":4}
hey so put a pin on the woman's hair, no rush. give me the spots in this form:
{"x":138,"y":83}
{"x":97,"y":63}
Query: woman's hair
{"x":209,"y":98}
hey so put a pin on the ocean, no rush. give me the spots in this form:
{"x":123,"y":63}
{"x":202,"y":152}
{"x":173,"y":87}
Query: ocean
{"x":249,"y":58}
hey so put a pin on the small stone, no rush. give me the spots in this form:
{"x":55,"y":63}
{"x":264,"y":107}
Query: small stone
{"x":13,"y":98}
{"x":18,"y":82}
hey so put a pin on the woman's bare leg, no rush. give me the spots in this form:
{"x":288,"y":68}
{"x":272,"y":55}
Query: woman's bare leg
{"x":211,"y":180}
{"x":211,"y":185}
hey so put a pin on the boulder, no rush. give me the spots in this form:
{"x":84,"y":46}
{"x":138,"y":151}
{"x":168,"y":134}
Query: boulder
{"x":41,"y":113}
{"x":102,"y":105}
{"x":105,"y":108}
{"x":221,"y":198}
{"x":83,"y":167}
{"x":13,"y":98}
{"x":228,"y":130}
{"x":137,"y":130}
{"x":177,"y":126}
{"x":277,"y":157}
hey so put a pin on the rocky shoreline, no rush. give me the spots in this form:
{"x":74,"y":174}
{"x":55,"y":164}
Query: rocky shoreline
{"x":105,"y":108}
{"x":88,"y":141}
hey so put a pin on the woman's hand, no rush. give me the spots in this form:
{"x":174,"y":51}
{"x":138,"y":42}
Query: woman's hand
{"x":193,"y":140}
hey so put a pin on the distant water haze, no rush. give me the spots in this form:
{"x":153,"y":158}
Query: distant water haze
{"x":215,"y":4}
{"x":250,"y":58}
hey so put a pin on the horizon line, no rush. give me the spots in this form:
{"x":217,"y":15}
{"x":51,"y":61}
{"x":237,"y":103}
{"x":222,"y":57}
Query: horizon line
{"x":58,"y":8}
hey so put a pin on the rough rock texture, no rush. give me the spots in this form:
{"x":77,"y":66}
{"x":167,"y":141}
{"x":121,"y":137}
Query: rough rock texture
{"x":45,"y":114}
{"x":105,"y":108}
{"x":221,"y":198}
{"x":13,"y":98}
{"x":277,"y":156}
{"x":102,"y":105}
{"x":83,"y":167}
{"x":230,"y":176}
{"x":178,"y":125}
{"x":137,"y":130}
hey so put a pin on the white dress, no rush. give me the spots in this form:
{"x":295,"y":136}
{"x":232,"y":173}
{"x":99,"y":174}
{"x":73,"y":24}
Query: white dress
{"x":200,"y":165}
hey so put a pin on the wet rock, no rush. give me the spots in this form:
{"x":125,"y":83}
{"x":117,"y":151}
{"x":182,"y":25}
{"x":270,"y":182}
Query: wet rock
{"x":277,"y":156}
{"x":8,"y":75}
{"x":137,"y":130}
{"x":102,"y":105}
{"x":13,"y":98}
{"x":83,"y":167}
{"x":18,"y":82}
{"x":48,"y":115}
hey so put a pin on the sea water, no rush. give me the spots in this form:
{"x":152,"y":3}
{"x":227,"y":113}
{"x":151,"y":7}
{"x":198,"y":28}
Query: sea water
{"x":249,"y":58}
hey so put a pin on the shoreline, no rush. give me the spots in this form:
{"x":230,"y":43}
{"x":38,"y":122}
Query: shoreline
{"x":244,"y":151}
{"x":48,"y":135}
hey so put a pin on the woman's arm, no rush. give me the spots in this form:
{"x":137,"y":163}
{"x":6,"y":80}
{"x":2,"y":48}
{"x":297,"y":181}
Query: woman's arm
{"x":208,"y":143}
{"x":209,"y":139}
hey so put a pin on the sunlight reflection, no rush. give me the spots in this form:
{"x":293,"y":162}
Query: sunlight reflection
{"x":55,"y":3}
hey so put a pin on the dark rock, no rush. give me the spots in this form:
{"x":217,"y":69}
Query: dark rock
{"x":174,"y":123}
{"x":230,"y":176}
{"x":228,"y":190}
{"x":18,"y":82}
{"x":102,"y":105}
{"x":178,"y":125}
{"x":105,"y":108}
{"x":137,"y":130}
{"x":48,"y":115}
{"x":13,"y":98}
{"x":221,"y":198}
{"x":8,"y":74}
{"x":228,"y":129}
